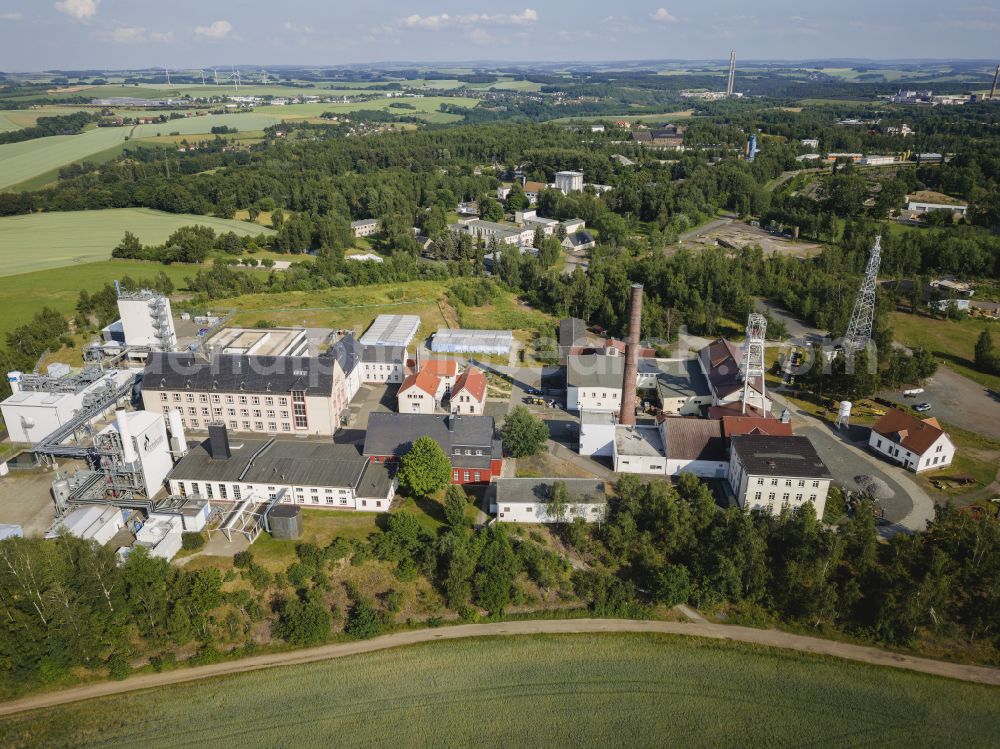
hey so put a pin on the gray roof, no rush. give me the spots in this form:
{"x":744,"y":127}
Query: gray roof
{"x":641,"y":441}
{"x":572,"y":332}
{"x":595,"y":370}
{"x":679,"y":379}
{"x":391,"y":330}
{"x":238,"y":373}
{"x":364,"y":222}
{"x":392,"y":435}
{"x":580,"y":237}
{"x":286,"y":461}
{"x":383,"y":354}
{"x":533,"y":491}
{"x":764,"y":455}
{"x":346,"y":352}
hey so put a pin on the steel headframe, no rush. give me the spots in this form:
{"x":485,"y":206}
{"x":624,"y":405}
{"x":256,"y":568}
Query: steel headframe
{"x":752,"y":364}
{"x":859,"y":332}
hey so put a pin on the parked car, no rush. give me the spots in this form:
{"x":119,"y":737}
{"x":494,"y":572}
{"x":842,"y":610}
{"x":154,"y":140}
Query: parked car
{"x":532,"y":391}
{"x":912,"y":392}
{"x":922,"y":407}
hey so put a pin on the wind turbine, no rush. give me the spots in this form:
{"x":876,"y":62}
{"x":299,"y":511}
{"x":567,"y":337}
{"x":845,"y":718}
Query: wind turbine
{"x":202,"y":77}
{"x":216,"y":74}
{"x":168,"y":75}
{"x":235,"y":77}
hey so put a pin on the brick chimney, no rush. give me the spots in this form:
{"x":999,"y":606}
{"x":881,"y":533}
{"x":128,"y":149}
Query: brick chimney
{"x":627,"y":415}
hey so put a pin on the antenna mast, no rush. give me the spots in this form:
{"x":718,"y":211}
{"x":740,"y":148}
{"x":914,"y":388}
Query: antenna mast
{"x":859,"y":332}
{"x":993,"y":90}
{"x":732,"y":73}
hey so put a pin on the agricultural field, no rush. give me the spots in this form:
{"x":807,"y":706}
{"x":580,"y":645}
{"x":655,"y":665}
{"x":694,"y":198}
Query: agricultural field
{"x":426,"y":108}
{"x":557,"y":690}
{"x":50,"y":240}
{"x":23,"y":161}
{"x":203,"y":125}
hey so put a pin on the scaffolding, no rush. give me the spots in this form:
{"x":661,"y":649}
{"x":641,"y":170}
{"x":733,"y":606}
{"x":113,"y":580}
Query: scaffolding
{"x":859,"y":332}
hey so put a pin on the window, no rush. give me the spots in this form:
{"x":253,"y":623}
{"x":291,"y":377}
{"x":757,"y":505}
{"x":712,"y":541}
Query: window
{"x":939,"y":448}
{"x":756,"y":496}
{"x":192,"y":411}
{"x":784,"y":497}
{"x":270,"y":414}
{"x":802,"y":483}
{"x":194,"y":423}
{"x":272,"y":426}
{"x":259,"y":426}
{"x":204,"y":411}
{"x":454,"y":475}
{"x":465,"y":476}
{"x":798,"y":497}
{"x":812,"y":497}
{"x":878,"y":443}
{"x":222,"y":491}
{"x":189,"y":397}
{"x":529,"y":509}
{"x":209,"y":491}
{"x":286,"y":427}
{"x":770,"y":497}
{"x":364,"y":502}
{"x":203,"y":398}
{"x":237,"y":494}
{"x":760,"y":482}
{"x":256,"y":413}
{"x":283,"y":401}
{"x":246,"y":425}
{"x":284,"y":414}
{"x":231,"y":411}
{"x":177,"y":397}
{"x":215,"y":398}
{"x":217,"y":411}
{"x":229,"y":399}
{"x":788,"y":482}
{"x":244,"y":412}
{"x":243,"y":400}
{"x":269,"y":401}
{"x":506,"y":509}
{"x":255,"y":401}
{"x":163,"y":396}
{"x":232,"y":425}
{"x":195,"y":489}
{"x":815,"y":484}
{"x":477,"y":477}
{"x":181,"y":488}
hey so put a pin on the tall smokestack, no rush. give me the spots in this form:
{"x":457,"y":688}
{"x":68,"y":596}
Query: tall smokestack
{"x":627,"y":415}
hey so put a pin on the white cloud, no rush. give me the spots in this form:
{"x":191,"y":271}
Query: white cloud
{"x":662,"y":15}
{"x":214,"y":31}
{"x":128,"y":34}
{"x":296,"y":29}
{"x":13,"y":16}
{"x":442,"y":21}
{"x":165,"y":37}
{"x":81,"y":10}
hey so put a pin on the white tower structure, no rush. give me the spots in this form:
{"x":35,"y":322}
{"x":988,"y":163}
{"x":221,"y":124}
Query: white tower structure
{"x":568,"y":182}
{"x":844,"y":414}
{"x":732,"y":73}
{"x":752,"y":365}
{"x":859,"y":332}
{"x":147,"y":320}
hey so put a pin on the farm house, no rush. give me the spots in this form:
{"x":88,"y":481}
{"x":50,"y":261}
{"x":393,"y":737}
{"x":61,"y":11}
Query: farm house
{"x":449,"y":341}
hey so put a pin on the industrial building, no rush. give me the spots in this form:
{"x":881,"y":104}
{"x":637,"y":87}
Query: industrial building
{"x":302,"y":472}
{"x":391,"y":330}
{"x":695,"y":446}
{"x":567,"y":182}
{"x":39,"y":405}
{"x":722,"y":365}
{"x":470,"y":442}
{"x":638,"y":449}
{"x":452,"y":341}
{"x":270,"y":394}
{"x":146,"y":323}
{"x":383,"y":363}
{"x":681,"y":388}
{"x":259,"y":342}
{"x":98,"y":523}
{"x":527,"y":500}
{"x":772,"y":473}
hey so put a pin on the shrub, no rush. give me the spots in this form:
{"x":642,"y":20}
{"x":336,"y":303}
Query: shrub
{"x":192,"y":540}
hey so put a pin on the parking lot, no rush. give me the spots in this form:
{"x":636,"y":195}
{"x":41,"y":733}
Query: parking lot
{"x":956,"y":400}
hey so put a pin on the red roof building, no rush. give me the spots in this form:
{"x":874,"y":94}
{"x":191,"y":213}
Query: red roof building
{"x":469,"y":394}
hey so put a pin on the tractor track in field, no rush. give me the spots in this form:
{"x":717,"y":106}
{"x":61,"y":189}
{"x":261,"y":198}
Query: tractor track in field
{"x":764,"y":637}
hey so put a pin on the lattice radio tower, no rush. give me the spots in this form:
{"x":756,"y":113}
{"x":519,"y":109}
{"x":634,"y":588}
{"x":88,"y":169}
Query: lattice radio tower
{"x":859,"y":332}
{"x":752,"y":365}
{"x":732,"y":73}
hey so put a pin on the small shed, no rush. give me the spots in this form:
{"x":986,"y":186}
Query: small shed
{"x":285,"y":522}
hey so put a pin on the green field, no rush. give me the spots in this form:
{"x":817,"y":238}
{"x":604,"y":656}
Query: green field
{"x":552,"y":691}
{"x":22,"y":296}
{"x":952,"y":341}
{"x":49,"y":240}
{"x":202,"y":125}
{"x":426,"y":108}
{"x":22,"y":161}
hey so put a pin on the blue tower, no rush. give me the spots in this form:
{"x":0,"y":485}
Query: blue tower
{"x":752,"y":148}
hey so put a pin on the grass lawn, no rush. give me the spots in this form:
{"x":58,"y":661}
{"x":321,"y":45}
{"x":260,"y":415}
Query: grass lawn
{"x":562,"y":690}
{"x":952,"y":341}
{"x":40,"y":241}
{"x":546,"y":464}
{"x":23,"y":161}
{"x":59,"y":288}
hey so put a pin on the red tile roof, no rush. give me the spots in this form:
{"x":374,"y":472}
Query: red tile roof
{"x":916,"y":435}
{"x":534,"y":186}
{"x":733,"y":425}
{"x":473,"y":382}
{"x":424,"y":380}
{"x":440,"y":367}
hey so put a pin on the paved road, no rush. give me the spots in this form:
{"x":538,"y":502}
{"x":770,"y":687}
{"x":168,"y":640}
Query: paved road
{"x":846,"y":455}
{"x":765,"y":637}
{"x":957,"y":400}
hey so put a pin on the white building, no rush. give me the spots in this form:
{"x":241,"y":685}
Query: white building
{"x":144,"y":439}
{"x":469,"y":341}
{"x":528,"y":500}
{"x":381,"y":364}
{"x":40,"y":404}
{"x":597,"y":433}
{"x":310,"y":473}
{"x":485,"y":231}
{"x":916,"y":444}
{"x":594,"y":382}
{"x":877,"y":160}
{"x":468,"y":397}
{"x":639,"y":449}
{"x":267,"y":394}
{"x":366,"y":227}
{"x":568,"y":182}
{"x":162,"y":535}
{"x":147,"y":321}
{"x":259,"y":341}
{"x":420,"y":393}
{"x":771,"y":473}
{"x":531,"y":220}
{"x":810,"y":142}
{"x":925,"y":206}
{"x":98,"y":523}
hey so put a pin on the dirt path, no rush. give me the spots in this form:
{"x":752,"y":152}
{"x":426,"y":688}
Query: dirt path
{"x":766,"y":637}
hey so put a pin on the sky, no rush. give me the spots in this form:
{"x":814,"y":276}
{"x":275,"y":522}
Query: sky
{"x":117,"y":34}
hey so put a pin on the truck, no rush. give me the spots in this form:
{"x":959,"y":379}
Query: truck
{"x":912,"y":392}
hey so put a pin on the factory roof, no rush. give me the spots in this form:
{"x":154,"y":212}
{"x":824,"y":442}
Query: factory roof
{"x":721,"y":359}
{"x":383,"y":354}
{"x":680,"y":378}
{"x":471,"y":340}
{"x":694,"y":439}
{"x":364,"y":222}
{"x":229,"y":373}
{"x":284,"y":461}
{"x":537,"y":491}
{"x":595,"y":370}
{"x":764,"y":455}
{"x":391,"y":330}
{"x":643,"y":441}
{"x":260,"y":341}
{"x":346,"y":352}
{"x":572,"y":332}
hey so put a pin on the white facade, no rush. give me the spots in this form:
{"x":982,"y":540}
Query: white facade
{"x":919,"y":207}
{"x":938,"y":455}
{"x":467,"y":404}
{"x":538,"y":512}
{"x":877,"y":160}
{"x":595,"y":398}
{"x":568,"y":182}
{"x":382,"y":372}
{"x":597,"y":433}
{"x":328,"y":497}
{"x":773,"y":493}
{"x":98,"y":523}
{"x":31,"y":415}
{"x":707,"y":469}
{"x":147,"y":320}
{"x":639,"y":449}
{"x":161,"y":535}
{"x":148,"y":434}
{"x":366,"y":227}
{"x":415,"y":400}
